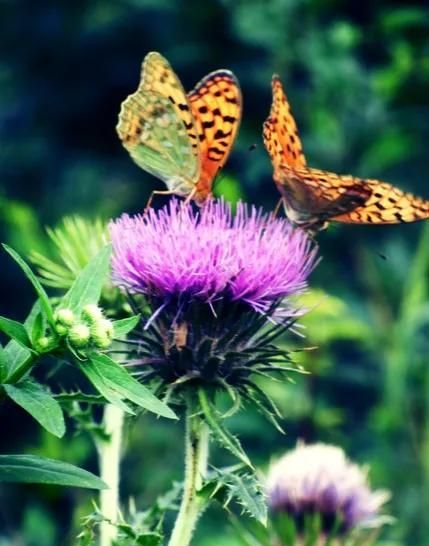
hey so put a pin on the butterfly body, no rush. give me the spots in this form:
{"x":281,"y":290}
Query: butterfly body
{"x":182,"y":139}
{"x":313,"y":197}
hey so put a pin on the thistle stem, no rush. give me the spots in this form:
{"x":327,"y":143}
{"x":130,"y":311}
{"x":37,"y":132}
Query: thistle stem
{"x":196,"y":455}
{"x":109,"y":456}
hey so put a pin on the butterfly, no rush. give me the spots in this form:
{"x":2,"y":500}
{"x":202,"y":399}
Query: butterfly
{"x":182,"y":139}
{"x":312,"y":197}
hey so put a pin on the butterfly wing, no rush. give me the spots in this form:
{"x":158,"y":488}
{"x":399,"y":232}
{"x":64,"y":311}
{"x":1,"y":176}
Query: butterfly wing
{"x":312,"y":196}
{"x":280,"y":133}
{"x":216,"y":105}
{"x":157,"y":128}
{"x":321,"y":196}
{"x":157,"y":76}
{"x":386,"y":204}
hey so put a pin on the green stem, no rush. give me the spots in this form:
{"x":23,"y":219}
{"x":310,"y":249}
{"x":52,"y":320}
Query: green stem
{"x":196,"y":455}
{"x":109,"y":456}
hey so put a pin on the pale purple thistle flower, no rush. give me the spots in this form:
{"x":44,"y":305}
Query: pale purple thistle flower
{"x":320,"y":478}
{"x":211,"y":255}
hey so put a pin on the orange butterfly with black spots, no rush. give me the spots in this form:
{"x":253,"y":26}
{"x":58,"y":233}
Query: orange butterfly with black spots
{"x":312,"y":197}
{"x":182,"y":139}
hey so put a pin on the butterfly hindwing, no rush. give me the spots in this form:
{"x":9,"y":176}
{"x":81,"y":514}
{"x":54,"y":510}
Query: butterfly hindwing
{"x":312,"y":196}
{"x":386,"y":205}
{"x":216,"y":106}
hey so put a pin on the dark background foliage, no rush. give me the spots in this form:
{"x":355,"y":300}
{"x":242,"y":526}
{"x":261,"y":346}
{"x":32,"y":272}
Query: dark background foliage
{"x":357,"y":75}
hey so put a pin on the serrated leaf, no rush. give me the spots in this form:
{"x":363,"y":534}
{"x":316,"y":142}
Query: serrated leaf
{"x":246,"y":490}
{"x":115,"y":379}
{"x":40,"y":404}
{"x":33,"y":469}
{"x":45,"y":304}
{"x":221,"y":434}
{"x":87,"y":286}
{"x":124,"y":326}
{"x":15,"y":330}
{"x":232,"y":483}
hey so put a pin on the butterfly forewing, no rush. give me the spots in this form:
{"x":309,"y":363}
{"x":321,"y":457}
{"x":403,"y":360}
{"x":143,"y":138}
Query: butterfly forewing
{"x":281,"y":133}
{"x":216,"y":105}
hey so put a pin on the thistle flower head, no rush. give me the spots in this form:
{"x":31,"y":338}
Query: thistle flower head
{"x":210,"y":256}
{"x":320,"y":479}
{"x":211,"y":279}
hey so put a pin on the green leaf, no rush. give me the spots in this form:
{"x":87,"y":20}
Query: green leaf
{"x":103,"y":386}
{"x":223,"y":436}
{"x":15,"y":330}
{"x":124,"y":326}
{"x":43,"y":297}
{"x":33,"y":469}
{"x":232,"y":483}
{"x":3,"y":364}
{"x":252,"y":533}
{"x":110,"y":378}
{"x":38,"y":328}
{"x":246,"y":490}
{"x":16,"y":355}
{"x":40,"y":404}
{"x":87,"y":286}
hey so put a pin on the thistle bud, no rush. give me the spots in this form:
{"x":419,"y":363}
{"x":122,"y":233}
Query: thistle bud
{"x":102,"y":333}
{"x":79,"y":335}
{"x":45,"y":344}
{"x":92,"y":313}
{"x":60,"y":329}
{"x":65,"y":317}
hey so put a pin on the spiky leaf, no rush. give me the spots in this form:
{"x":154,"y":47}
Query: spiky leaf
{"x":220,"y":433}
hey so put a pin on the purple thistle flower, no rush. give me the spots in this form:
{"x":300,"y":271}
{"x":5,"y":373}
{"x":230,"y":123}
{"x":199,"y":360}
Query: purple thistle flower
{"x":320,"y":479}
{"x":217,"y":286}
{"x":211,"y":255}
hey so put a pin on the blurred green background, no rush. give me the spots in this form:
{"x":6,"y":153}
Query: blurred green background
{"x":357,"y":75}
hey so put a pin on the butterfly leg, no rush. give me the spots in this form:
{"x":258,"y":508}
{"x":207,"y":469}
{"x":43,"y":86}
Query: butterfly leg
{"x":277,"y":208}
{"x":152,"y":195}
{"x":190,"y":196}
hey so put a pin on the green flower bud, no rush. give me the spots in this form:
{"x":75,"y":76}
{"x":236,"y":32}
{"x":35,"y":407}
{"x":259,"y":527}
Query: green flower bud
{"x":79,"y":335}
{"x":65,"y":317}
{"x":61,"y":329}
{"x":92,"y":313}
{"x":45,"y":344}
{"x":102,"y":333}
